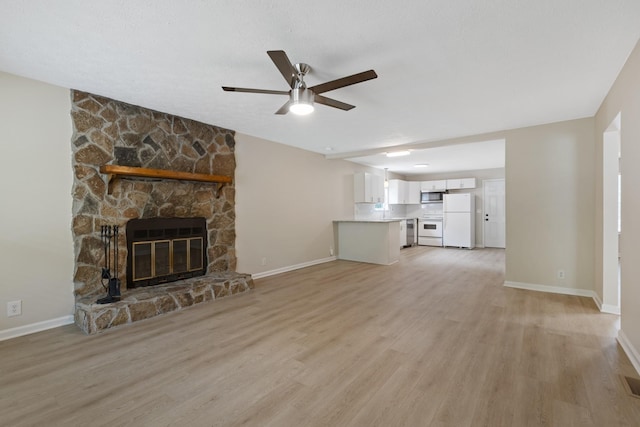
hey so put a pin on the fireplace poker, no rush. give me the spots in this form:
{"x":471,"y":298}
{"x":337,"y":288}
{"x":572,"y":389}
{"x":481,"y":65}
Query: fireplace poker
{"x":109,"y":282}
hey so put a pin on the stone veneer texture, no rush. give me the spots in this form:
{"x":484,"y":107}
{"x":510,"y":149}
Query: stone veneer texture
{"x":111,"y":132}
{"x":151,"y":301}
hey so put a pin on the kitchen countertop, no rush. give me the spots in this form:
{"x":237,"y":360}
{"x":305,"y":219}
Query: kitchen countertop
{"x":370,"y":220}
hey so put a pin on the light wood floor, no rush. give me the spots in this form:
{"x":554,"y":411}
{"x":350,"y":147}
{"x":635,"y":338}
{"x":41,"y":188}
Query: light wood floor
{"x":434,"y":340}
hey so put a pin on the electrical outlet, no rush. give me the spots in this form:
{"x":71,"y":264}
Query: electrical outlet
{"x":14,"y":308}
{"x":560,"y":274}
{"x":330,"y":250}
{"x":264,"y":261}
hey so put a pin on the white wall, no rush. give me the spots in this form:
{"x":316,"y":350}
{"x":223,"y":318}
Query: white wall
{"x":286,"y":200}
{"x":35,"y":218}
{"x":550,"y":204}
{"x":624,"y":98}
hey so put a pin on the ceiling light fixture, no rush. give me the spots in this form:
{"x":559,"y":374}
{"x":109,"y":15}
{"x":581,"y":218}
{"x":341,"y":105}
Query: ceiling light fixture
{"x":301,"y":101}
{"x":423,"y":165}
{"x":398,"y":153}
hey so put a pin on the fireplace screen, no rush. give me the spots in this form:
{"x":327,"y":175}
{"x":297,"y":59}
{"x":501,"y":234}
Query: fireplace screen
{"x":163,"y":250}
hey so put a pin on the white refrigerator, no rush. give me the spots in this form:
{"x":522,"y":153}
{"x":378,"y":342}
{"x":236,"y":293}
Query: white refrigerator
{"x":459,"y":225}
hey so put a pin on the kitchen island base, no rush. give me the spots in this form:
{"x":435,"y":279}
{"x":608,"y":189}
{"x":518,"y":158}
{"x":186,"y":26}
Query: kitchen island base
{"x":375,"y":242}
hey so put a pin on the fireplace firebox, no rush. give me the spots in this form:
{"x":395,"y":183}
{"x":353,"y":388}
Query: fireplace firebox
{"x":162,"y":250}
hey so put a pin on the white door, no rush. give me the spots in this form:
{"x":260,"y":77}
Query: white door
{"x":494,"y":213}
{"x":457,"y":202}
{"x":457,"y":229}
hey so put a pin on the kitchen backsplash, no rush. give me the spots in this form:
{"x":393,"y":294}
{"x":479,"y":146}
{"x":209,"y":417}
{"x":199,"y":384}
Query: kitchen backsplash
{"x":418,"y":211}
{"x":368,"y":211}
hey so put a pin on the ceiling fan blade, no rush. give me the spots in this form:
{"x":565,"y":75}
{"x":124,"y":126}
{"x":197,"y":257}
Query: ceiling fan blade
{"x":284,"y":65}
{"x":284,"y":109}
{"x":242,"y":89}
{"x":332,"y":102}
{"x":344,"y":81}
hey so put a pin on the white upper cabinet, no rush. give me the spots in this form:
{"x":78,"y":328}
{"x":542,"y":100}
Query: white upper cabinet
{"x":377,"y":188}
{"x":439,"y":185}
{"x":460,"y":184}
{"x":368,"y":188}
{"x":397,"y":192}
{"x":413,"y":193}
{"x":404,"y":192}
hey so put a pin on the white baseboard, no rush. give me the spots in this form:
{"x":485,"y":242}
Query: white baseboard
{"x":554,"y":290}
{"x":292,"y":267}
{"x":611,"y":309}
{"x":630,"y":350}
{"x":598,"y":301}
{"x":605,"y":308}
{"x":35,"y":327}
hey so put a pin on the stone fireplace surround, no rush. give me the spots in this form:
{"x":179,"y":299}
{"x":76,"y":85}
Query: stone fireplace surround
{"x":111,"y":132}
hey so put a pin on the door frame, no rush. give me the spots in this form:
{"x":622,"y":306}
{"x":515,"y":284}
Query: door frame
{"x":484,"y":181}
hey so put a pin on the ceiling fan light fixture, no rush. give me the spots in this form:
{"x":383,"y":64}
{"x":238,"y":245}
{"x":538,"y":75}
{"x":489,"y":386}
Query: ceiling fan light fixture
{"x":301,"y":101}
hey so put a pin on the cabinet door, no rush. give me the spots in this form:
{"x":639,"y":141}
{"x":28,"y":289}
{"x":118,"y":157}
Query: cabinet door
{"x":403,"y":233}
{"x":361,"y":188}
{"x":413,"y":193}
{"x":396,"y":193}
{"x":468,"y":183}
{"x":404,"y":192}
{"x":377,"y":188}
{"x":461,"y":183}
{"x":438,"y":185}
{"x":457,"y":230}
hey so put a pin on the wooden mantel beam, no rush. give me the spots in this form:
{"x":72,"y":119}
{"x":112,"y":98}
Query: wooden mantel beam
{"x":113,"y":171}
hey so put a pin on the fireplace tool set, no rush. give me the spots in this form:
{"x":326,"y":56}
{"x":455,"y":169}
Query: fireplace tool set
{"x":111,"y":283}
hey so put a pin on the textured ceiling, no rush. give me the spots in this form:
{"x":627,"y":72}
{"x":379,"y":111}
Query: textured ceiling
{"x":446,"y":68}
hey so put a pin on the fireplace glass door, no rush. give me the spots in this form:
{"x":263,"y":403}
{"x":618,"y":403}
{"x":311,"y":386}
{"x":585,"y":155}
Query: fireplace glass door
{"x":165,"y":250}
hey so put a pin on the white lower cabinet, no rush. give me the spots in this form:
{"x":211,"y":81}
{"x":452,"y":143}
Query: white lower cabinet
{"x":403,"y":234}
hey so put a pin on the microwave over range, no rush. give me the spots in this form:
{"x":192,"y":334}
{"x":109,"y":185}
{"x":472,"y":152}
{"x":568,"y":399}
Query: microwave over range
{"x":431,"y":197}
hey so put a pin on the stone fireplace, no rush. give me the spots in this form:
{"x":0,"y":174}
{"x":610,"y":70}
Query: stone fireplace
{"x":179,"y":247}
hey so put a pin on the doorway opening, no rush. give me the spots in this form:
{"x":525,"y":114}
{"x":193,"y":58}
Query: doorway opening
{"x":611,"y":223}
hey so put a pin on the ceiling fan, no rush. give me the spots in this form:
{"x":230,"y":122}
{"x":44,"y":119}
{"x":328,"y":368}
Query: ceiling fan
{"x":301,"y":98}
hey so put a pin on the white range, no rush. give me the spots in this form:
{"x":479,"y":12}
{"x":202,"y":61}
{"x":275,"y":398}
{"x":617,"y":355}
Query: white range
{"x":430,"y":230}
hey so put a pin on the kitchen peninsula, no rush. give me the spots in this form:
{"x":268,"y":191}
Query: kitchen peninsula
{"x":372,"y":241}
